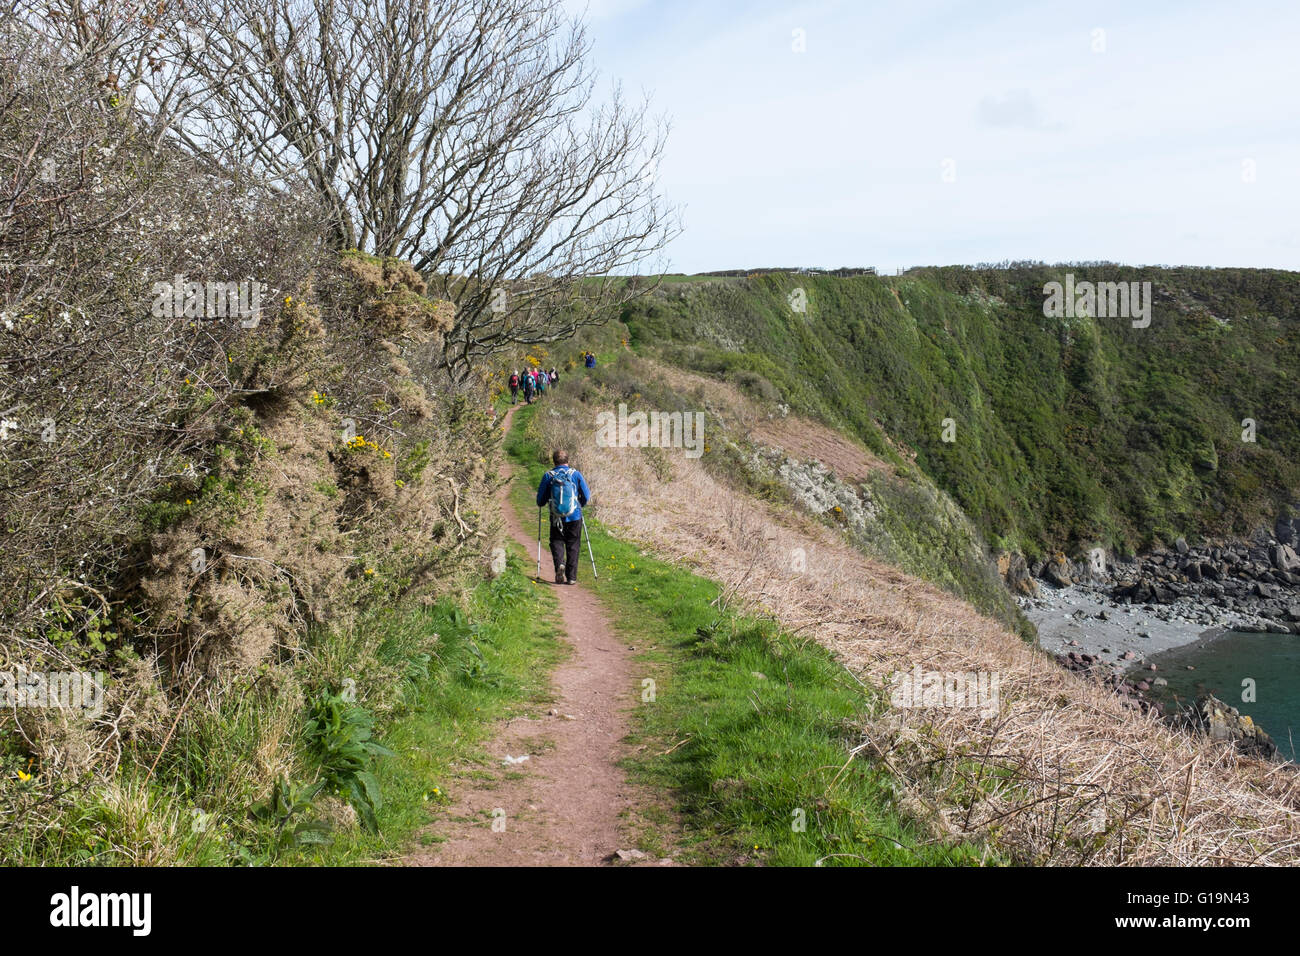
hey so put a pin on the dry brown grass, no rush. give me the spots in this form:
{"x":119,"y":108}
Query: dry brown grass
{"x":1064,"y":773}
{"x":808,"y":440}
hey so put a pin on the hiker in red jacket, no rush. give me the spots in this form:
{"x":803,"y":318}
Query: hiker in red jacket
{"x":514,"y":387}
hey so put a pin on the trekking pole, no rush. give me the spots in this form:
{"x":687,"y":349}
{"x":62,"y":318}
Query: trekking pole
{"x":539,"y":544}
{"x":594,"y":575}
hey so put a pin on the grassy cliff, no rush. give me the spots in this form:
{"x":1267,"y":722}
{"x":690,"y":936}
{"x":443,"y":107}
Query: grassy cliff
{"x":1067,"y":432}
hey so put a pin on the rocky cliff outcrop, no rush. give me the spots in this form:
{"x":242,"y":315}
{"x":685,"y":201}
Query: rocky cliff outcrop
{"x":1219,"y":721}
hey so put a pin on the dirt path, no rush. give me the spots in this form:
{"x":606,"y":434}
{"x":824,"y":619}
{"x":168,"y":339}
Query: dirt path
{"x":569,"y":804}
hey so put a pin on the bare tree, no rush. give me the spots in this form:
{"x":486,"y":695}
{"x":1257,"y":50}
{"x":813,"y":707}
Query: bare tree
{"x":462,"y":135}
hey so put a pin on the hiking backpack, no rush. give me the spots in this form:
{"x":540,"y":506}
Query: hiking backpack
{"x":564,"y":493}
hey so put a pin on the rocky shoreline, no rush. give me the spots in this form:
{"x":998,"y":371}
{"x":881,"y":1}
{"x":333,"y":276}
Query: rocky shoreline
{"x":1107,"y":616}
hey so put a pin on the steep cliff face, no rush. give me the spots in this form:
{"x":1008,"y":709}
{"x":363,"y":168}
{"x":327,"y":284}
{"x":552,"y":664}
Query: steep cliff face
{"x":1052,"y":428}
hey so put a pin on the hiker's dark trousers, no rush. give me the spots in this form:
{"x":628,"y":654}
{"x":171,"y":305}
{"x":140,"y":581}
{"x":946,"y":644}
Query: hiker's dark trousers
{"x":514,"y":394}
{"x":565,"y":546}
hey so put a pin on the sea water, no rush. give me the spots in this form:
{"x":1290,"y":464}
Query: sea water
{"x":1259,"y":674}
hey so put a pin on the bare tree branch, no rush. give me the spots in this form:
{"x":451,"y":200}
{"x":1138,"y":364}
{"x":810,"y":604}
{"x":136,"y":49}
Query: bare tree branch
{"x":461,"y":135}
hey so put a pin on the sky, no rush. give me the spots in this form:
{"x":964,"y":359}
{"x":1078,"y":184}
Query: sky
{"x":932,"y":132}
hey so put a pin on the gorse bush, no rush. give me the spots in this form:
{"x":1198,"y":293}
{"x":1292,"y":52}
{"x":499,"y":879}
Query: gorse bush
{"x":217,"y":437}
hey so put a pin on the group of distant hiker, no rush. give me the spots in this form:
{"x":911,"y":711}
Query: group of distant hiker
{"x":533,"y":382}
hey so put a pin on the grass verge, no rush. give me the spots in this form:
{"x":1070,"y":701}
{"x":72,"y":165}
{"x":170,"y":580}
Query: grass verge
{"x":494,"y":661}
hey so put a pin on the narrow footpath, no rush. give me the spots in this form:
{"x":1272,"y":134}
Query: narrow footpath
{"x":569,"y":803}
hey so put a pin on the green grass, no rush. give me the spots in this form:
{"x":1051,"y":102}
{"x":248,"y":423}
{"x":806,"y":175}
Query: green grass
{"x":744,"y":758}
{"x":493,"y":662}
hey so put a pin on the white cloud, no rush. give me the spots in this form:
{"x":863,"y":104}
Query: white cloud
{"x":1016,"y":109}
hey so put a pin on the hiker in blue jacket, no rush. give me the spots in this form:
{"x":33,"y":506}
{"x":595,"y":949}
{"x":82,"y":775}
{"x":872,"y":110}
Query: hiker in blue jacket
{"x":565,"y":491}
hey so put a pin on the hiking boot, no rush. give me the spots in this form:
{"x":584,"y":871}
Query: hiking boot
{"x":559,"y":578}
{"x":572,"y":581}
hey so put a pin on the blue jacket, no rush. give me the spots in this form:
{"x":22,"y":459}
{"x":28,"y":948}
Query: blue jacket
{"x":544,"y":492}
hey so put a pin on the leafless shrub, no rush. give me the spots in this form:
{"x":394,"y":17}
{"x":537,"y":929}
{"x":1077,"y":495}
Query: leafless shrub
{"x":109,"y":395}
